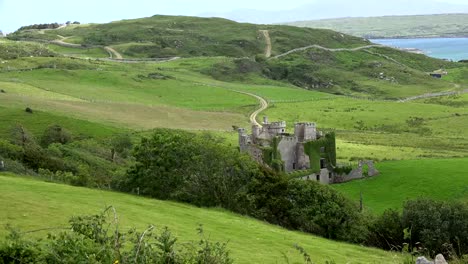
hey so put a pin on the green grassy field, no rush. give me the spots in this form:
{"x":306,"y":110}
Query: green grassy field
{"x":177,"y":94}
{"x":441,"y":179}
{"x":445,"y":25}
{"x":36,"y":123}
{"x":34,"y":204}
{"x":347,"y":91}
{"x":383,"y":129}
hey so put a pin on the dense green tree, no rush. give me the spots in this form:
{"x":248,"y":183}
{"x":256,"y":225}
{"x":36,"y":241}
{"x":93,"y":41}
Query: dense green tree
{"x":439,"y":227}
{"x":387,"y":231}
{"x":120,"y":144}
{"x":55,"y":134}
{"x":200,"y":169}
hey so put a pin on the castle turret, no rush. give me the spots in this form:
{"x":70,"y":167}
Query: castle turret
{"x":243,"y":139}
{"x":255,"y":132}
{"x":305,"y":131}
{"x":276,"y":128}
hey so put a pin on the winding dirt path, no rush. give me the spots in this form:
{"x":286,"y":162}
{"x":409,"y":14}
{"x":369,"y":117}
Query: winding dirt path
{"x":266,"y":35}
{"x":113,"y":54}
{"x":263,"y":107}
{"x":323,"y":48}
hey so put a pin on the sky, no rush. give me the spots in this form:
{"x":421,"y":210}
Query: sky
{"x":17,"y":13}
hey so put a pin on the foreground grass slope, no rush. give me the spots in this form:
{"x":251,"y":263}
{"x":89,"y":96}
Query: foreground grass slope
{"x":31,"y":204}
{"x":441,"y":179}
{"x":444,"y":25}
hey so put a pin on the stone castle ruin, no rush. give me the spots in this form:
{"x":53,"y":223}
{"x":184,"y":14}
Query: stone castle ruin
{"x":307,"y":150}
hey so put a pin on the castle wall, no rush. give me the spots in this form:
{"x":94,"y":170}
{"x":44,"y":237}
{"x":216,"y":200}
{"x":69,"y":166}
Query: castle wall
{"x":287,"y":149}
{"x":323,"y":177}
{"x":305,"y":131}
{"x":302,"y":159}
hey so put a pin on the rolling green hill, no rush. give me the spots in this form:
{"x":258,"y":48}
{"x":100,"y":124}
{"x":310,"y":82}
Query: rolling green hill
{"x":446,"y":25}
{"x":353,"y":91}
{"x":34,"y":204}
{"x":180,"y":94}
{"x":315,"y":59}
{"x":166,"y":36}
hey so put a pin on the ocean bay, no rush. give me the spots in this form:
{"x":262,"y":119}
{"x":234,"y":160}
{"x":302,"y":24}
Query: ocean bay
{"x":443,"y":48}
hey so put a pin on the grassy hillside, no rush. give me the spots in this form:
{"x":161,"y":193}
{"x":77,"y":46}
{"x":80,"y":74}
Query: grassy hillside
{"x":180,"y":94}
{"x":13,"y":50}
{"x":354,"y":92}
{"x":165,"y":36}
{"x":446,"y":25}
{"x":376,"y":72}
{"x":34,"y":204}
{"x":442,"y":179}
{"x":37,"y":122}
{"x":370,"y":72}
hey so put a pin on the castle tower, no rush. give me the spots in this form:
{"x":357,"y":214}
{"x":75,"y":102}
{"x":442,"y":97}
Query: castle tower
{"x":255,"y":132}
{"x":276,"y":128}
{"x":305,"y":131}
{"x":243,"y":139}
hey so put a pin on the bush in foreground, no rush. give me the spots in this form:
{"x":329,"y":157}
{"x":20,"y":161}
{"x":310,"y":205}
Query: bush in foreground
{"x":95,"y":239}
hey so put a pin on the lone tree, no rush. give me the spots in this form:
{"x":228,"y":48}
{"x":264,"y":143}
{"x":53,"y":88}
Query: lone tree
{"x":120,"y":144}
{"x":55,"y":134}
{"x":21,"y":136}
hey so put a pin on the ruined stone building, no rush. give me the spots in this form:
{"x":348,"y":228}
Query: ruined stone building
{"x":306,"y":149}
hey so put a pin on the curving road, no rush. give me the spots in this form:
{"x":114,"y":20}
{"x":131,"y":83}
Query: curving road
{"x":263,"y":107}
{"x":266,"y":35}
{"x":323,"y":48}
{"x":113,"y":54}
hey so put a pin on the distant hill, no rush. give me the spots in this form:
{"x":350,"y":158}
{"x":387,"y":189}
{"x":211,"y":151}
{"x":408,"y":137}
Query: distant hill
{"x":338,"y":8}
{"x":314,"y":59}
{"x":166,"y":36}
{"x":445,"y":25}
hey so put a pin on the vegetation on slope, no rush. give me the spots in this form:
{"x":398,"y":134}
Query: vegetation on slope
{"x":98,"y":239}
{"x":370,"y":72}
{"x":33,"y":203}
{"x":444,"y":25}
{"x":10,"y":50}
{"x":166,"y":36}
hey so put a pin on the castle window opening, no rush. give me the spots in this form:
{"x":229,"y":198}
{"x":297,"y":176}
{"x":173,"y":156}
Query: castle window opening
{"x":322,"y":163}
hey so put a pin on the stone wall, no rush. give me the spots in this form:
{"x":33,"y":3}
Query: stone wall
{"x":323,"y":177}
{"x":287,"y":149}
{"x":302,"y":159}
{"x":358,"y":173}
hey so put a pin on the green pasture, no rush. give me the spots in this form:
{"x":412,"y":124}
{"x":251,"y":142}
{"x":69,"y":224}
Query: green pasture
{"x":37,"y":122}
{"x":441,"y":179}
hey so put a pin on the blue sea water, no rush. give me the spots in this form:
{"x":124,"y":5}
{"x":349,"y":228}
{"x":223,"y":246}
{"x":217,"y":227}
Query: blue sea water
{"x":443,"y":48}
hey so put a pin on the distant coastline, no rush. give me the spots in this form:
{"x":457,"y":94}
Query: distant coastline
{"x":454,"y":49}
{"x":419,"y":37}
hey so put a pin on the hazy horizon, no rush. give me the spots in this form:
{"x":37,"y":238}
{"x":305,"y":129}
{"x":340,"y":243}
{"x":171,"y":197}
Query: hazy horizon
{"x":17,"y":13}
